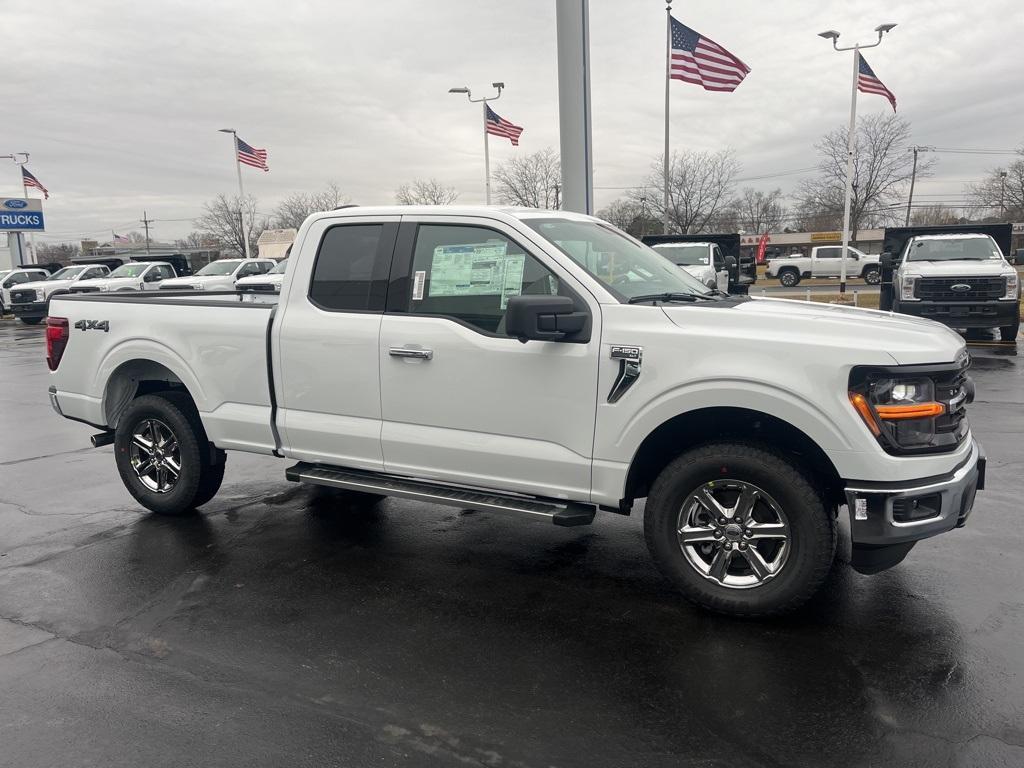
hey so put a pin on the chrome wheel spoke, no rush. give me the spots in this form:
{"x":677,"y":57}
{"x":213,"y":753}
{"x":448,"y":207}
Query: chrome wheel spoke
{"x":142,"y":444}
{"x":696,"y":534}
{"x":155,"y":455}
{"x":760,"y":531}
{"x":705,"y":498}
{"x":720,"y":564}
{"x":757,"y":563}
{"x":172,"y":466}
{"x":744,"y":509}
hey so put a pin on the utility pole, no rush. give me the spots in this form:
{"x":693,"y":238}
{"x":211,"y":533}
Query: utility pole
{"x":146,"y":221}
{"x":575,"y":137}
{"x":913,"y":177}
{"x":1002,"y":193}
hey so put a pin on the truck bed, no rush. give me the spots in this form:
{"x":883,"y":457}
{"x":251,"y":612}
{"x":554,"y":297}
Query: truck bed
{"x":183,"y":333}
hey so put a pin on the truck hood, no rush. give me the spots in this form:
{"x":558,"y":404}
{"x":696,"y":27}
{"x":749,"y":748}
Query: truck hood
{"x":46,"y":286}
{"x":874,"y":334}
{"x":260,"y":280}
{"x":701,"y":272}
{"x":986,"y":268}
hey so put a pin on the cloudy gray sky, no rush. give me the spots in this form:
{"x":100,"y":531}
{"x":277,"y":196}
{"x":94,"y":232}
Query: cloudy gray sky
{"x":119,"y":103}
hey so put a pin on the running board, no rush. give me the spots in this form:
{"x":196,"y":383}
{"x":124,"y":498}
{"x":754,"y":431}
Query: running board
{"x":565,"y":513}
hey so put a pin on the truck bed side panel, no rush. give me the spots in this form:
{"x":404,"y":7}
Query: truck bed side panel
{"x":218,"y":350}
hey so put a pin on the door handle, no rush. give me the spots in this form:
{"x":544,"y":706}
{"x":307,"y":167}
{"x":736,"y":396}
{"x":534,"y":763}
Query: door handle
{"x":411,"y":352}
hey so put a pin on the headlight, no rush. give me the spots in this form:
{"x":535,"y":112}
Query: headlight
{"x":907,"y":288}
{"x":104,"y":288}
{"x":1012,"y":287}
{"x":912,"y":413}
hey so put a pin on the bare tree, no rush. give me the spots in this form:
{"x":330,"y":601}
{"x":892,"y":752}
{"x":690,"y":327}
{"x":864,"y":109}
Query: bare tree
{"x":758,"y":212}
{"x":426,"y":192}
{"x":195,"y":240}
{"x":809,"y":217}
{"x":632,"y":216}
{"x":135,"y":237}
{"x":294,"y":209}
{"x":935,"y":215}
{"x":60,"y":253}
{"x":222,"y":221}
{"x":533,"y":181}
{"x":700,"y":188}
{"x":882,"y":168}
{"x":1002,"y":191}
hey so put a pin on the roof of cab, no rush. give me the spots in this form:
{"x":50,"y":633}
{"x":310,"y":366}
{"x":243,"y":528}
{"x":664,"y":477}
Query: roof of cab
{"x":487,"y":211}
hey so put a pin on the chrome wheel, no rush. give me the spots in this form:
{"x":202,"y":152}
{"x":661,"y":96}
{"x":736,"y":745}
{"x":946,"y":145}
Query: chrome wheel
{"x":734,"y":534}
{"x":788,"y":278}
{"x":155,"y":455}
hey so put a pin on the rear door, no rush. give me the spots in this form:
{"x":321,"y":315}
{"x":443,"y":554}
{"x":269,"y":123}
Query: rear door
{"x":462,"y":401}
{"x":826,"y":261}
{"x":326,"y":370}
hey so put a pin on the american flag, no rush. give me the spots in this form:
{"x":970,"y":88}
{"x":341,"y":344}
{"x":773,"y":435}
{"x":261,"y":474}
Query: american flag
{"x":867,"y":82}
{"x":701,"y":61}
{"x":249,"y":155}
{"x":120,"y":238}
{"x":499,"y":126}
{"x":28,"y":180}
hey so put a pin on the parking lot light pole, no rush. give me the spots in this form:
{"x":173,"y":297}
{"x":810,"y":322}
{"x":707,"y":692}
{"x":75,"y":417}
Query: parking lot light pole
{"x":487,"y":153}
{"x":851,"y":139}
{"x":241,"y":192}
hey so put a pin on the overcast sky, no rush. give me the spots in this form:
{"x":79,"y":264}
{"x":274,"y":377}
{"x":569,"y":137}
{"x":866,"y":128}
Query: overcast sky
{"x":119,"y":103}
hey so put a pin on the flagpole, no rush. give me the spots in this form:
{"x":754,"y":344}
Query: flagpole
{"x":487,"y":157}
{"x":666,"y":162}
{"x":851,"y":143}
{"x":31,"y":242}
{"x":241,"y":199}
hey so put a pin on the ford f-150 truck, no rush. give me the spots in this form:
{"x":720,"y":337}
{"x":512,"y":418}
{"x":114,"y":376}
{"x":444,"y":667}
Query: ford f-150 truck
{"x":30,"y":302}
{"x":825,"y":261}
{"x":542,"y":364}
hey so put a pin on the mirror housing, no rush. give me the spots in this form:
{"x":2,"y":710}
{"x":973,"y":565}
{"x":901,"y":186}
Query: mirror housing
{"x":545,"y":318}
{"x":887,"y":260}
{"x":730,"y":262}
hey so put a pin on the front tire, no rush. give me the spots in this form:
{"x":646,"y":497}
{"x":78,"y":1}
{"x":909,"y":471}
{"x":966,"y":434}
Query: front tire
{"x":163,"y":455}
{"x":740,"y":529}
{"x":789,"y":278}
{"x":1009,"y":332}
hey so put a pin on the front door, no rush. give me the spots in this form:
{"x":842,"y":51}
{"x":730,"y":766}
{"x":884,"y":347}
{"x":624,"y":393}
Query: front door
{"x":462,"y":401}
{"x":327,"y":373}
{"x":827,"y":261}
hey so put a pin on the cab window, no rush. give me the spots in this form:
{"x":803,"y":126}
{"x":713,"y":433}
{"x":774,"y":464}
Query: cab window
{"x":469,"y":273}
{"x":351,"y":269}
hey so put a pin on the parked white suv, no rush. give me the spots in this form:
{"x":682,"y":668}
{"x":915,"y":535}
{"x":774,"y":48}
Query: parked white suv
{"x":219,"y":275}
{"x":30,"y":301}
{"x":13,"y":278}
{"x":136,"y":276}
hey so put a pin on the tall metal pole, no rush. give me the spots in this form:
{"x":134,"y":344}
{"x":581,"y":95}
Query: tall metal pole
{"x":572,"y":23}
{"x":851,"y":144}
{"x":241,"y":196}
{"x":913,"y":178}
{"x":31,"y":242}
{"x":487,"y":156}
{"x":666,"y":161}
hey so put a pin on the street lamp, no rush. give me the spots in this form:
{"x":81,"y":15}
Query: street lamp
{"x":831,"y":34}
{"x":487,"y":156}
{"x":241,"y":193}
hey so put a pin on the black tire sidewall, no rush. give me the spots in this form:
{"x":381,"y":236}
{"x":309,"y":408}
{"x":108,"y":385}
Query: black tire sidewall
{"x":181,"y":499}
{"x":812,"y":544}
{"x":1009,"y":332}
{"x":789,"y":275}
{"x":872,"y":276}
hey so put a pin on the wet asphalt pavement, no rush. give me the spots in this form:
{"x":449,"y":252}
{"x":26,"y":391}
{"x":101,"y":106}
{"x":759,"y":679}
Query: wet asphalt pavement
{"x":279,"y":628}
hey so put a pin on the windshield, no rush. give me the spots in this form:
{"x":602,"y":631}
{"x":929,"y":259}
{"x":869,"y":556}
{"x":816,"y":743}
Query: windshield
{"x":954,"y":249}
{"x":218,"y":268}
{"x":279,"y":268}
{"x":67,"y":273}
{"x":685,"y":255}
{"x":129,"y":270}
{"x":629,"y":269}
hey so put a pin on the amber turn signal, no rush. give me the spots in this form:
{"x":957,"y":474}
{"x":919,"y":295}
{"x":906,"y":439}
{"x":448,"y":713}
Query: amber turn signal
{"x":915,"y":411}
{"x":860,"y":404}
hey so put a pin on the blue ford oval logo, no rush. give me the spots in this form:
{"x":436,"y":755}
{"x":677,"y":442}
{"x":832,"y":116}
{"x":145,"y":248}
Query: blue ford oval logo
{"x":15,"y":204}
{"x":960,"y":287}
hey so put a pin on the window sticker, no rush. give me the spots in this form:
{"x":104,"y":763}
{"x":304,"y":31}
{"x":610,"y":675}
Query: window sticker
{"x":482,"y":269}
{"x":417,"y":285}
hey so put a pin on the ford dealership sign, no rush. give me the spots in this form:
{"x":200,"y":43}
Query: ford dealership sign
{"x":21,"y":215}
{"x":16,"y":203}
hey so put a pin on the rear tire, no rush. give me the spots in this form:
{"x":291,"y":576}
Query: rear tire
{"x":163,"y":455}
{"x":31,"y":320}
{"x":1009,"y":332}
{"x":789,"y":278}
{"x":872,"y":276}
{"x":767,"y":570}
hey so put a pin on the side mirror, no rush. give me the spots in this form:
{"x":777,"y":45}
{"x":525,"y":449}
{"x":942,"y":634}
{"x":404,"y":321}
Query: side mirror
{"x":730,"y":262}
{"x":887,"y":261}
{"x":544,"y":318}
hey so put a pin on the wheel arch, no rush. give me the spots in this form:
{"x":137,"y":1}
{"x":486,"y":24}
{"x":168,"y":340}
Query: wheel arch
{"x":713,"y":424}
{"x":126,"y":376}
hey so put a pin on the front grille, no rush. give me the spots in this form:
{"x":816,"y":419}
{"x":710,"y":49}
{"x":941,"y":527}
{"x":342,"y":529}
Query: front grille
{"x":949,"y":390}
{"x":85,"y":289}
{"x":23,"y":297}
{"x":941,"y":288}
{"x":257,"y":288}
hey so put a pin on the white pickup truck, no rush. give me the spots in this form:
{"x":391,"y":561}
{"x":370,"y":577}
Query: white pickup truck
{"x":825,"y":261}
{"x":542,"y":364}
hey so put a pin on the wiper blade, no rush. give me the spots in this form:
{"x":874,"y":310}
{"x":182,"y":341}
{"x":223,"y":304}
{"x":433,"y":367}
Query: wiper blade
{"x":664,"y":297}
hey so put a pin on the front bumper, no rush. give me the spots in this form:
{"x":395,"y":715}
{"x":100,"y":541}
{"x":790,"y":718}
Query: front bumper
{"x":986,"y":314}
{"x":34,"y":309}
{"x":887,"y":519}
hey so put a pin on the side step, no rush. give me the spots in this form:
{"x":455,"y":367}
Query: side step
{"x":565,"y":513}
